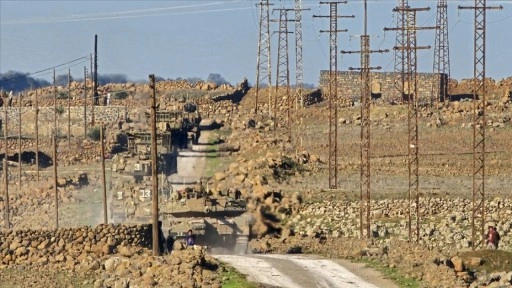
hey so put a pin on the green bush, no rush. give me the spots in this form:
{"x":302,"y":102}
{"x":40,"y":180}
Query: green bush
{"x":94,"y":134}
{"x":62,"y":95}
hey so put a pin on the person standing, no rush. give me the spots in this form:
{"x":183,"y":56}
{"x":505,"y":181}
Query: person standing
{"x":191,"y":239}
{"x":496,"y":238}
{"x":491,"y":238}
{"x":169,"y":243}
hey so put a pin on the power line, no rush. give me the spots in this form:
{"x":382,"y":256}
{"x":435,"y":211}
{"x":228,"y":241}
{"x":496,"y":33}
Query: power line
{"x":120,"y":16}
{"x":46,"y":69}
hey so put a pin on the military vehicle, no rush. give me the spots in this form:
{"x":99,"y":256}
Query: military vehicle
{"x":215,"y":220}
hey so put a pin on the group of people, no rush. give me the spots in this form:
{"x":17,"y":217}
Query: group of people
{"x":493,"y":238}
{"x":167,"y":243}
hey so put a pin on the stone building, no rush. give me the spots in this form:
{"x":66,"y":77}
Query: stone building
{"x":385,"y":85}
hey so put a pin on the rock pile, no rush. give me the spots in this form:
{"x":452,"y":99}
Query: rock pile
{"x":185,"y":268}
{"x":70,"y":247}
{"x":441,"y":227}
{"x":112,"y":255}
{"x":37,"y":204}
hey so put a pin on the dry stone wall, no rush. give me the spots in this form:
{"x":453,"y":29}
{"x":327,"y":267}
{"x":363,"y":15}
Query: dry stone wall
{"x":67,"y":244}
{"x":106,"y":114}
{"x":107,"y":255}
{"x":349,"y":84}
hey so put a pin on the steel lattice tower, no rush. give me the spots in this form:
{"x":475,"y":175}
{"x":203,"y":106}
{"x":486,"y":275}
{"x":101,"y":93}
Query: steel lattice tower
{"x":365,"y":172}
{"x":412,"y":116}
{"x":441,"y":53}
{"x":333,"y":88}
{"x":283,"y":72}
{"x":264,"y":63}
{"x":299,"y":75}
{"x":479,"y":123}
{"x":411,"y":79}
{"x":400,"y":41}
{"x":299,"y":78}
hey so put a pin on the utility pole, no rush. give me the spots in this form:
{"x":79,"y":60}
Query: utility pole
{"x":400,"y":41}
{"x":299,"y":78}
{"x":92,"y":92}
{"x":333,"y":87}
{"x":411,"y":92}
{"x":283,"y":70}
{"x":264,"y":64}
{"x":95,"y":82}
{"x":154,"y":168}
{"x":103,"y":178}
{"x":37,"y":136}
{"x":479,"y":123}
{"x":299,"y":71}
{"x":69,"y":108}
{"x":441,"y":54}
{"x":19,"y":141}
{"x":54,"y":104}
{"x":54,"y":142}
{"x":365,"y":172}
{"x":6,"y":168}
{"x":85,"y":102}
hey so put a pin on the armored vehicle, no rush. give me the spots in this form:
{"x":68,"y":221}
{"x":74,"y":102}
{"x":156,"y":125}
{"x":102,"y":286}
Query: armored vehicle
{"x":215,"y":220}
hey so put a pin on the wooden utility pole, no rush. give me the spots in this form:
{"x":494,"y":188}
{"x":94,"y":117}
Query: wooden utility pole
{"x":69,"y":108}
{"x":85,"y":102}
{"x":37,"y":137}
{"x":6,"y":168}
{"x":154,"y":168}
{"x":6,"y":188}
{"x":103,"y":179}
{"x":55,"y":182}
{"x":95,"y":82}
{"x":54,"y":104}
{"x":93,"y":91}
{"x":19,"y":141}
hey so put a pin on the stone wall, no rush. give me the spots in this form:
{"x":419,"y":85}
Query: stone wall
{"x":106,"y":256}
{"x":101,"y":114}
{"x":35,"y":246}
{"x":349,"y":84}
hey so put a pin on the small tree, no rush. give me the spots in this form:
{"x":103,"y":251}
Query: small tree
{"x":94,"y":134}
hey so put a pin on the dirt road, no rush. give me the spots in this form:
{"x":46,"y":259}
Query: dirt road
{"x":295,"y":271}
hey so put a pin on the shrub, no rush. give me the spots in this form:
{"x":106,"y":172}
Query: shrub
{"x":62,"y":95}
{"x":94,"y":134}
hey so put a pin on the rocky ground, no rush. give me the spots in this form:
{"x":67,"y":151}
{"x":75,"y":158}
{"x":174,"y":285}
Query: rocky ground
{"x":287,"y":189}
{"x":104,"y":256}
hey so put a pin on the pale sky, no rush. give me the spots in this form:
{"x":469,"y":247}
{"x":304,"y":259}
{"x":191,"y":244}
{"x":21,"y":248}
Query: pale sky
{"x":173,"y":39}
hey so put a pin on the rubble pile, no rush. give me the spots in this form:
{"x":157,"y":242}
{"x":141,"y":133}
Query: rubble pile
{"x":107,"y":255}
{"x":38,"y":204}
{"x":441,"y":227}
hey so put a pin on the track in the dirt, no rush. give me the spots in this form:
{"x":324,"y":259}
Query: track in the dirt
{"x":294,"y":271}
